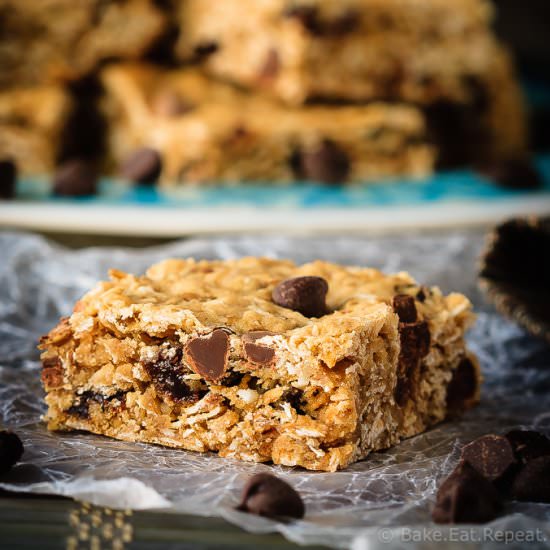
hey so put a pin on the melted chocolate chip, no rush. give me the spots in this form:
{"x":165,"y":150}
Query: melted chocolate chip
{"x":532,"y":483}
{"x":11,"y":450}
{"x":81,"y":405}
{"x":8,"y":178}
{"x":325,"y":163}
{"x":491,"y":455}
{"x":466,"y":497}
{"x":528,"y":444}
{"x":232,"y":378}
{"x":258,"y":353}
{"x":421,"y":295}
{"x":463,"y":385}
{"x":512,"y":173}
{"x":167,"y":373}
{"x":207,"y":355}
{"x":295,"y":398}
{"x":74,"y":178}
{"x":268,"y":496}
{"x":303,"y":294}
{"x":142,"y":166}
{"x":415,"y":344}
{"x":405,"y":308}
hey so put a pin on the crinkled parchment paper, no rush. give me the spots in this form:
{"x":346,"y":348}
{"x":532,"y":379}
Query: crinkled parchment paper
{"x":365,"y":506}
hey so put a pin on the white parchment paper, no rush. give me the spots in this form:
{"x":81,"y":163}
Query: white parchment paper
{"x":369,"y":505}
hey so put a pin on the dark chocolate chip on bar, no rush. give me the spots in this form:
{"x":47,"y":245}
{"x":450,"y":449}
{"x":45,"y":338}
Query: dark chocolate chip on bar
{"x":491,"y":455}
{"x":268,"y":496}
{"x":404,"y":306}
{"x":11,"y":450}
{"x":207,"y":355}
{"x":258,"y":353}
{"x":303,"y":294}
{"x":324,"y":163}
{"x":75,"y":177}
{"x":463,"y":385}
{"x":142,"y":166}
{"x":466,"y":497}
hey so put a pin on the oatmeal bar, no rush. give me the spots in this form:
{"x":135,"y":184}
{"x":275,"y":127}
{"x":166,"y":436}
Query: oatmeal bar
{"x":261,"y":360}
{"x":32,"y":124}
{"x":208,"y":132}
{"x":44,"y":40}
{"x":439,"y":55}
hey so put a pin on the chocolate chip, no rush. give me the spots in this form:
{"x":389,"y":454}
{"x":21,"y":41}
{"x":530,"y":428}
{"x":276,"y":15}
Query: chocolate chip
{"x":512,"y":173}
{"x":205,"y":49}
{"x":81,"y":406}
{"x":310,"y":19}
{"x":532,"y":483}
{"x":167,"y":374}
{"x":170,"y":104}
{"x":466,"y":497}
{"x":270,"y":67}
{"x":207,"y":355}
{"x":324,"y":163}
{"x":11,"y":450}
{"x":8,"y":179}
{"x":528,"y":444}
{"x":303,"y":294}
{"x":421,"y":295}
{"x":75,"y":178}
{"x":463,"y":385}
{"x":142,"y":166}
{"x":295,"y":398}
{"x":491,"y":455}
{"x":405,"y":308}
{"x":258,"y":353}
{"x":232,"y":378}
{"x":268,"y":496}
{"x":52,"y":373}
{"x":415,"y":344}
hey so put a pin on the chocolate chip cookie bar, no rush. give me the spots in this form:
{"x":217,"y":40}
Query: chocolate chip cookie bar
{"x":46,"y":40}
{"x":32,"y":124}
{"x":261,"y":360}
{"x":439,"y":55}
{"x":204,"y":131}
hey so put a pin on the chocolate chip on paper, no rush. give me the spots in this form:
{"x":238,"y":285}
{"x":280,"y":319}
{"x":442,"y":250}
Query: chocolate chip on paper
{"x":268,"y":496}
{"x":466,"y":497}
{"x":491,"y":455}
{"x":11,"y":450}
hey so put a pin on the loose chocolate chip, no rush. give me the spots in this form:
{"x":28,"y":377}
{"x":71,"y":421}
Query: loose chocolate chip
{"x":170,"y":104}
{"x":466,"y":497}
{"x":532,"y":483}
{"x":303,"y":294}
{"x":528,"y":444}
{"x":270,"y":67}
{"x":325,"y":163}
{"x":205,"y":49}
{"x":463,"y":385}
{"x":142,"y":166}
{"x":491,"y":455}
{"x":405,"y":308}
{"x":74,"y":178}
{"x":8,"y":178}
{"x":207,"y":355}
{"x":512,"y":173}
{"x":11,"y":450}
{"x":258,"y":353}
{"x":268,"y":496}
